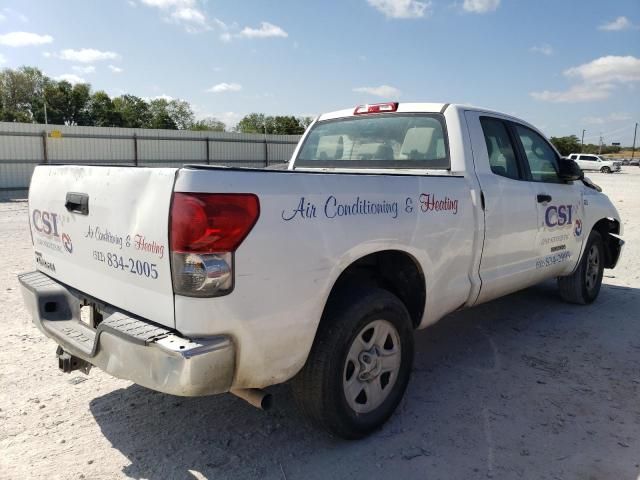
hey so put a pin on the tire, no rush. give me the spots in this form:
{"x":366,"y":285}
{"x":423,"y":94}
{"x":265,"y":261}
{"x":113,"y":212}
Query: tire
{"x":605,"y":170}
{"x":583,"y":285}
{"x":364,"y":346}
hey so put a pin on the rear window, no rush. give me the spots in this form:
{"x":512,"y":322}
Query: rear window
{"x":378,"y":141}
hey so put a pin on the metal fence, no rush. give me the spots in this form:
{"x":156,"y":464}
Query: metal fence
{"x":25,"y":145}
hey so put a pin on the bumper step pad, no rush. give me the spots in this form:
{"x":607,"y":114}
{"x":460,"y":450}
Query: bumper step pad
{"x":59,"y":308}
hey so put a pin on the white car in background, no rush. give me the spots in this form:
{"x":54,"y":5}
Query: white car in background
{"x":595,"y":162}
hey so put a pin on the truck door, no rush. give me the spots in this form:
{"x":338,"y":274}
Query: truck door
{"x":510,"y":209}
{"x":559,"y":204}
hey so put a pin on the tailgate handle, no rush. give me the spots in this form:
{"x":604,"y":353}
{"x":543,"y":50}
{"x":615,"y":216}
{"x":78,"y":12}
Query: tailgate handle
{"x":77,"y":203}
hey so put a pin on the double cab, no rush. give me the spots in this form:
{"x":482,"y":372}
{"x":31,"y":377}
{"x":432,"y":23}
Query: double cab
{"x":203,"y":280}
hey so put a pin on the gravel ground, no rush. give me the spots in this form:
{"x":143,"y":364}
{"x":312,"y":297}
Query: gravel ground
{"x":522,"y":387}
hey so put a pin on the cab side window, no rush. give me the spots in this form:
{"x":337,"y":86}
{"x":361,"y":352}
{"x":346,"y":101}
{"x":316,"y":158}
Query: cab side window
{"x":541,"y":158}
{"x":502,"y":157}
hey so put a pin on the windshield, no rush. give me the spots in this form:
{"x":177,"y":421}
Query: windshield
{"x":377,"y":141}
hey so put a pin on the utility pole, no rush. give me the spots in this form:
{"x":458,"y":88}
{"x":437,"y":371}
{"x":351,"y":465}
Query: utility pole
{"x":45,"y":113}
{"x":600,"y":147}
{"x":582,"y":141}
{"x":633,"y":150}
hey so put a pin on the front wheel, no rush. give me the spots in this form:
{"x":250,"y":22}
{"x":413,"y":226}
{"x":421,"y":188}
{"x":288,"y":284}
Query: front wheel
{"x":583,"y":285}
{"x":605,"y":170}
{"x":359,"y":365}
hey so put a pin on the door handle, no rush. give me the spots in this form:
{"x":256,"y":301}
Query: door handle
{"x":543,"y":197}
{"x":77,"y":203}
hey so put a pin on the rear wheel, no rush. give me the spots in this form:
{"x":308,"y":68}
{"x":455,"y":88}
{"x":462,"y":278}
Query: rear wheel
{"x":605,"y":170}
{"x":583,"y":286}
{"x":359,"y":365}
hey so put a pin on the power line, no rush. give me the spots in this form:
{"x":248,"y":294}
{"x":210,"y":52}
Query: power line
{"x":629,"y":127}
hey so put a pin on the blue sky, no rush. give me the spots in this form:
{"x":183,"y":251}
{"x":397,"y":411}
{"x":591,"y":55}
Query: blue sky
{"x":563,"y":65}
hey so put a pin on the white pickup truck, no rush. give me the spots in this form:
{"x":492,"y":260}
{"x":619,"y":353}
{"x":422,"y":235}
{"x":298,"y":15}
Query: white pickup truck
{"x":202,"y":280}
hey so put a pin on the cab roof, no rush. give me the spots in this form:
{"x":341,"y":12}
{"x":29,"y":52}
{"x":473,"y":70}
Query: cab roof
{"x":420,"y":107}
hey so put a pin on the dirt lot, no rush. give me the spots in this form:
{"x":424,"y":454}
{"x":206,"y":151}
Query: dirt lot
{"x":522,"y":387}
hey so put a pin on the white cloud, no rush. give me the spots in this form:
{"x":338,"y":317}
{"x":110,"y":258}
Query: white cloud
{"x":612,"y":117}
{"x":230,"y":119}
{"x":266,"y":30}
{"x":575,"y":94}
{"x":115,"y":69}
{"x":619,"y":117}
{"x":608,"y":69}
{"x":3,"y":59}
{"x":85,"y":70}
{"x":189,"y":15}
{"x":480,"y":6}
{"x":168,"y":3}
{"x":225,"y":87}
{"x":71,"y":78}
{"x":24,"y":39}
{"x":183,"y":12}
{"x":9,"y":12}
{"x":164,"y":96}
{"x":620,"y":23}
{"x":543,"y":48}
{"x":381,"y":91}
{"x":87,"y":55}
{"x":402,"y":8}
{"x":597,"y":80}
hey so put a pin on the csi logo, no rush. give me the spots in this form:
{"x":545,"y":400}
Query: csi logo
{"x":558,"y":215}
{"x":45,"y":222}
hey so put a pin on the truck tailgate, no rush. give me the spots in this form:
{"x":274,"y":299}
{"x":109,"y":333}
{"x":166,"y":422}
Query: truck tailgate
{"x":104,"y":231}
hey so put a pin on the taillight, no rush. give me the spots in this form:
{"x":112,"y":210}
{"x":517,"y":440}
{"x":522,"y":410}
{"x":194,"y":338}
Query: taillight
{"x":376,"y":108}
{"x":206,"y":229}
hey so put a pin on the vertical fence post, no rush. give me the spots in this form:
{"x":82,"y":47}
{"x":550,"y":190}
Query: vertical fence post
{"x":45,"y":153}
{"x":208,"y":157}
{"x":135,"y":149}
{"x":266,"y":152}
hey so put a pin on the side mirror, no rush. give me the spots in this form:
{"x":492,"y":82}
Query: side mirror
{"x":569,"y":171}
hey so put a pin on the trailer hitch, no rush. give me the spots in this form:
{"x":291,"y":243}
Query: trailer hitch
{"x":68,"y":363}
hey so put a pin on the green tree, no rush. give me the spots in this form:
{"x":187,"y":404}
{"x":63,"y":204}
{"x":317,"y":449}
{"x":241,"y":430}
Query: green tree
{"x":21,"y":94}
{"x":67,"y":104}
{"x":305,"y":121}
{"x":102,"y":112}
{"x":284,"y":125}
{"x":58,"y":96}
{"x":280,"y":124}
{"x":251,"y":123}
{"x":160,"y":115}
{"x":208,"y":124}
{"x":79,"y":105}
{"x":566,"y":145}
{"x":133,"y":110}
{"x":181,"y":114}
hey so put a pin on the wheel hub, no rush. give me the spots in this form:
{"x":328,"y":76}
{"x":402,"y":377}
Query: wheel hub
{"x":593,"y":267}
{"x":370,"y":364}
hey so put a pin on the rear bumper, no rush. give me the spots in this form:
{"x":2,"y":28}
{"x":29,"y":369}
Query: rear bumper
{"x":128,"y":347}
